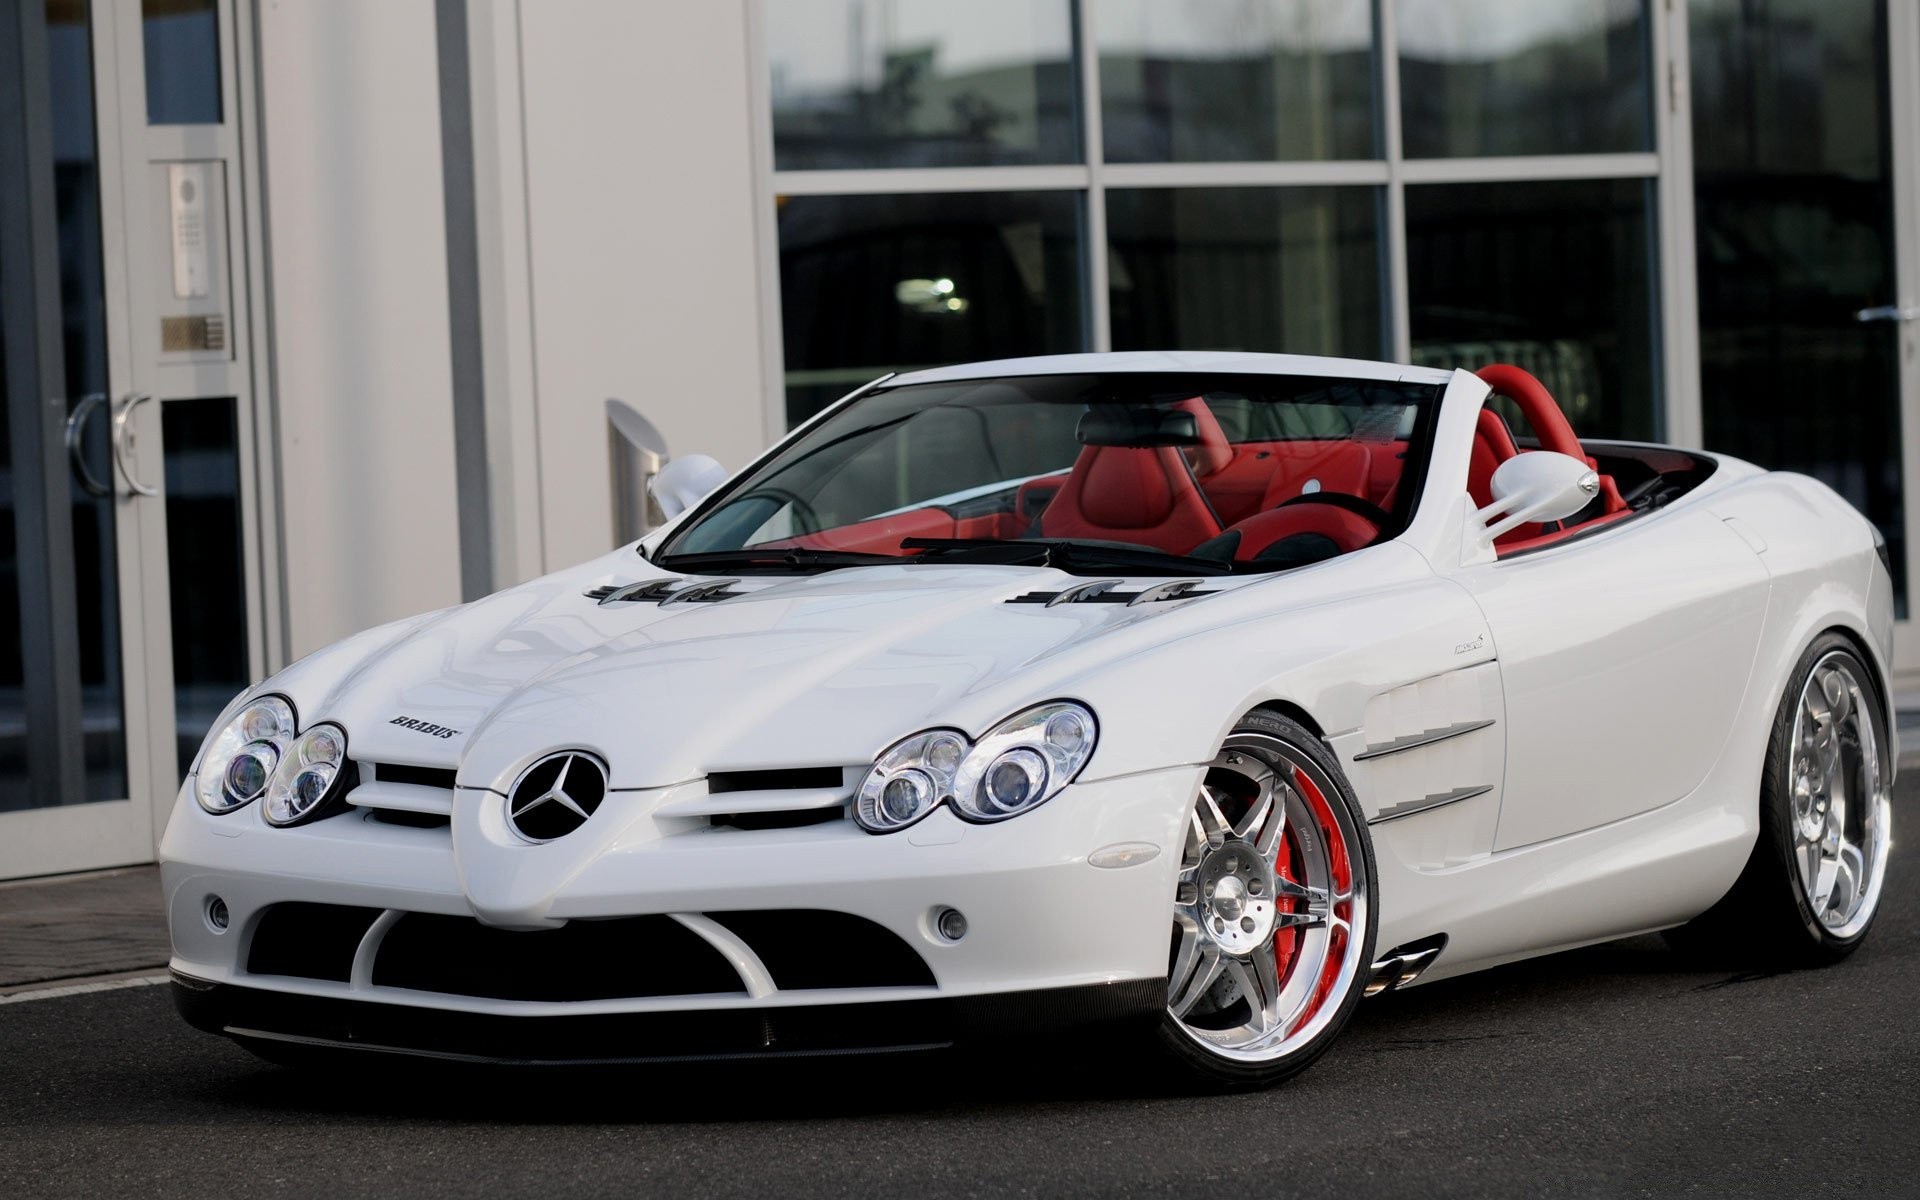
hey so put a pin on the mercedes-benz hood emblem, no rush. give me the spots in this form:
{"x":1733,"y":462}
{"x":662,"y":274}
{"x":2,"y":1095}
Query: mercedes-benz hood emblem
{"x":556,"y":795}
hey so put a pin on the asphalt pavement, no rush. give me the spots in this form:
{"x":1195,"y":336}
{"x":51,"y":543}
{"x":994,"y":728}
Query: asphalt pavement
{"x":1618,"y":1070}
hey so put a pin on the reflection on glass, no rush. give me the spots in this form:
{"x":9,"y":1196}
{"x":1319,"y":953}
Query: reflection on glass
{"x":1793,"y":221}
{"x":921,"y":83}
{"x":1284,"y":269}
{"x":205,"y":564}
{"x":76,"y":183}
{"x":1491,"y":77}
{"x":16,"y":789}
{"x":871,"y":284}
{"x":183,"y":61}
{"x":1553,"y":277}
{"x":1236,"y":80}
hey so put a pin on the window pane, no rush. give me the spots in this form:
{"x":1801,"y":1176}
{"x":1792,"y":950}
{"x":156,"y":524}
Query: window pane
{"x":1793,"y":210}
{"x":1553,"y":277}
{"x":1236,"y":80}
{"x":83,"y":311}
{"x":870,"y":284}
{"x":1283,"y":269}
{"x":16,"y":787}
{"x":921,"y":83}
{"x":183,"y":61}
{"x":1488,"y":77}
{"x":206,"y":571}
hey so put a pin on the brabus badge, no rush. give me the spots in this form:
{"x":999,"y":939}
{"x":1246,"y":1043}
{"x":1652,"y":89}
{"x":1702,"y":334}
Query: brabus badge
{"x":419,"y":726}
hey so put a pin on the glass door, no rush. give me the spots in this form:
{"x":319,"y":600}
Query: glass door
{"x":75,"y":781}
{"x":1803,"y":145}
{"x":128,"y":596}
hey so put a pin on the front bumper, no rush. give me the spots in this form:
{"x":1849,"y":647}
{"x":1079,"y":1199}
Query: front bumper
{"x":269,"y":1018}
{"x":1050,"y":938}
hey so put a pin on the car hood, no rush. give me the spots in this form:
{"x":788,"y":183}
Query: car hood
{"x":821,"y":670}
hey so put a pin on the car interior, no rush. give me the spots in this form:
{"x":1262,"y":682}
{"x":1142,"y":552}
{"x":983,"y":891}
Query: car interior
{"x":1269,"y":502}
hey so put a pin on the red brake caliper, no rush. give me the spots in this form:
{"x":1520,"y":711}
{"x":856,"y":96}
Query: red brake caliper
{"x":1286,"y":941}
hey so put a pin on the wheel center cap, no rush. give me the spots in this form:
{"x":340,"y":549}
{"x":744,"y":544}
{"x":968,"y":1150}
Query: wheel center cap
{"x":1229,"y":897}
{"x":1236,"y":898}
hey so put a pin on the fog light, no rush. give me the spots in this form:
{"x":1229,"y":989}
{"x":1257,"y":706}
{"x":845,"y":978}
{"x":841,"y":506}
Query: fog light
{"x":217,"y":915}
{"x":951,"y":923}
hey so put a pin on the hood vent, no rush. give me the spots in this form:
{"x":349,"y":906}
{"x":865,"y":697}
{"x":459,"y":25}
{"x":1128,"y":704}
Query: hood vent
{"x":664,"y":591}
{"x":1100,"y":591}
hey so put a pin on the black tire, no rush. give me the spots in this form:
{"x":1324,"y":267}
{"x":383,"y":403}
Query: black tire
{"x":1194,"y":1066}
{"x":1765,"y":921}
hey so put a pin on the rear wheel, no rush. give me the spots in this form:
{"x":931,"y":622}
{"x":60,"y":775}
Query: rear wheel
{"x":1811,"y":888}
{"x":1273,"y":918}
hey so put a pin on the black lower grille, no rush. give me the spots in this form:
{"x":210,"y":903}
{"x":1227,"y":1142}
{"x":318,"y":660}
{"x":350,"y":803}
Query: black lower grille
{"x":308,"y":941}
{"x":252,"y":1014}
{"x":814,"y":948}
{"x":581,"y":960}
{"x":433,"y":777}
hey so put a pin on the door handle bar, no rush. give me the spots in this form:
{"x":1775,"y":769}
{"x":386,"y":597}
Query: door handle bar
{"x":122,"y":443}
{"x":1889,"y":312}
{"x":76,"y":444}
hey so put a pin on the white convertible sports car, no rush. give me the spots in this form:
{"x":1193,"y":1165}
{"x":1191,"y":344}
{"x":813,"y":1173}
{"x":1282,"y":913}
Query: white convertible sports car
{"x":1188,"y":696}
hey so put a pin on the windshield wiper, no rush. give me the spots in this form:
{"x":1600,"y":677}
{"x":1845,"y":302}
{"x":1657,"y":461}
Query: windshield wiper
{"x":792,"y":558}
{"x":1063,"y":554}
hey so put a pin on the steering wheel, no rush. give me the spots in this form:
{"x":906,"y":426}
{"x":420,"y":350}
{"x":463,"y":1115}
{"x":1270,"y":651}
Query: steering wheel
{"x":1309,"y":528}
{"x":1542,"y":411}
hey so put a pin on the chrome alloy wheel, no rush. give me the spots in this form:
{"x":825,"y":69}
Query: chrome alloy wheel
{"x":1268,"y":906}
{"x":1839,"y":803}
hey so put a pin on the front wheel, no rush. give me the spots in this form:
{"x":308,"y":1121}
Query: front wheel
{"x":1273,"y":916}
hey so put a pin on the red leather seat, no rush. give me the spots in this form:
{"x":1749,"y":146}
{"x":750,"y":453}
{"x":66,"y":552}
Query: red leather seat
{"x":1145,"y":496}
{"x":1492,"y":445}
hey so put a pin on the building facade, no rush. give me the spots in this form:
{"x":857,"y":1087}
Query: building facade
{"x":311,"y":307}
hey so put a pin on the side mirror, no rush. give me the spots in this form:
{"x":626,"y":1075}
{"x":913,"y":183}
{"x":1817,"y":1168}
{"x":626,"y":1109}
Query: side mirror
{"x":1538,"y":485}
{"x":685,"y":482}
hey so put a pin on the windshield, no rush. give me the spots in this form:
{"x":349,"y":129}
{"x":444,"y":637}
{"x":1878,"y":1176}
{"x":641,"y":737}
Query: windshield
{"x":1146,"y":474}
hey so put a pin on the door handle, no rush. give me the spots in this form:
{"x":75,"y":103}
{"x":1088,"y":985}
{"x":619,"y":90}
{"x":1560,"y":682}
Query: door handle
{"x":76,"y":448}
{"x":123,"y":443}
{"x":1889,"y":312}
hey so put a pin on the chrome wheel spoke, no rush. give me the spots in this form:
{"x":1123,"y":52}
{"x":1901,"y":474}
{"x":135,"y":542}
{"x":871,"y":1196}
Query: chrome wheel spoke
{"x":1849,"y":872}
{"x":1258,"y":977}
{"x":1199,"y":979}
{"x":1289,"y":890}
{"x":1300,"y":920}
{"x":1270,"y":840}
{"x":1213,"y":823}
{"x":1252,"y":826}
{"x":1839,"y":696}
{"x":1808,"y":854}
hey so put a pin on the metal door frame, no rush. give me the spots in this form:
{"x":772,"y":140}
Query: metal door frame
{"x":137,"y":366}
{"x":1903,"y":44}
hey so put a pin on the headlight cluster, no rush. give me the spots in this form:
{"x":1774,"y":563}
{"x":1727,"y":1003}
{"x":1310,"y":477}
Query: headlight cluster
{"x":259,"y":754}
{"x":306,"y":774}
{"x":239,"y":762}
{"x":1020,"y":764}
